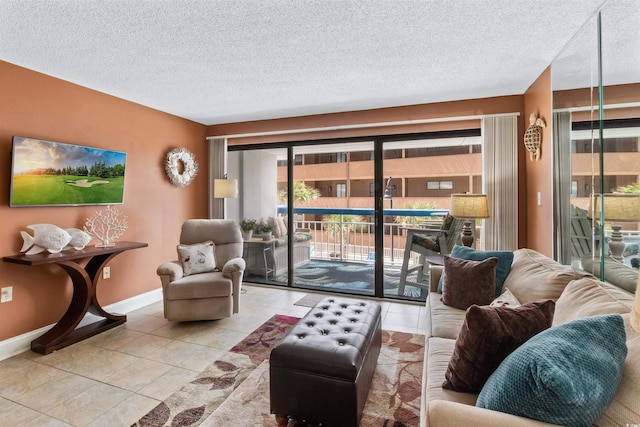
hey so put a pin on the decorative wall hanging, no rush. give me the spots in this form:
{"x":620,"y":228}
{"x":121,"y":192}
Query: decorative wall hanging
{"x":106,"y":226}
{"x":181,"y":159}
{"x":533,"y":136}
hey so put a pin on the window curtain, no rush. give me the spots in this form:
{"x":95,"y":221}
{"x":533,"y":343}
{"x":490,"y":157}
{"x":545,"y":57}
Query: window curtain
{"x":217,"y":170}
{"x":500,"y":172}
{"x":562,"y":185}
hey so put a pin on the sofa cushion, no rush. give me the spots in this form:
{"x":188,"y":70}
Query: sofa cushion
{"x":565,"y":375}
{"x":442,"y":321}
{"x":588,"y":297}
{"x":505,"y":258}
{"x":437,"y":354}
{"x":197,"y":258}
{"x":468,"y":282}
{"x":534,"y":276}
{"x":488,"y":335}
{"x":614,"y":272}
{"x":626,"y":405}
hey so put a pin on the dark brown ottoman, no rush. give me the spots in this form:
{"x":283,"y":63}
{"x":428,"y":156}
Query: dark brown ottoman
{"x":321,"y":371}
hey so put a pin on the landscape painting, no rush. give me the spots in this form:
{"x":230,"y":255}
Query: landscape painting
{"x":47,"y":173}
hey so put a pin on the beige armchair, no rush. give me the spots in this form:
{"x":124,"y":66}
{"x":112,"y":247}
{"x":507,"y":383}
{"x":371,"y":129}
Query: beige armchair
{"x":211,"y":294}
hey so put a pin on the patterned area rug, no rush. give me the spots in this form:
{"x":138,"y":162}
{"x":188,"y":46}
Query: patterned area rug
{"x":235,"y":389}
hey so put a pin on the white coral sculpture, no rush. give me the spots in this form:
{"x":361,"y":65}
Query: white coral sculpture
{"x":106,"y":226}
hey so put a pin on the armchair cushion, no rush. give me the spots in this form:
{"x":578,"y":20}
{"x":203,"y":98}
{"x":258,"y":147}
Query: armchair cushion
{"x":198,"y":286}
{"x":197,"y":258}
{"x":432,"y":240}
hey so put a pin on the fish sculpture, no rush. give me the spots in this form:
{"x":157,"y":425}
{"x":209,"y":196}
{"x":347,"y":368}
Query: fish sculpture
{"x":79,"y":239}
{"x":45,"y":237}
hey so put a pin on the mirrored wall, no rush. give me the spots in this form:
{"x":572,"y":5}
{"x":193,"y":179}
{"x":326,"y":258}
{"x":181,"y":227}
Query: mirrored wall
{"x":596,"y":123}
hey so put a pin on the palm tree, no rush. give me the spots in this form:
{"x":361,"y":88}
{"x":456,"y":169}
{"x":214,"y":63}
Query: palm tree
{"x":629,"y":189}
{"x":417,"y":221}
{"x":302,"y":193}
{"x":341,"y":225}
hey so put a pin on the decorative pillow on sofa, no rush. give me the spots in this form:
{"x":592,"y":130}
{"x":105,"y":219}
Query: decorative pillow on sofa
{"x":565,"y":375}
{"x":505,"y":258}
{"x":487,"y":336}
{"x":468,"y":282}
{"x":506,"y":299}
{"x":197,"y":258}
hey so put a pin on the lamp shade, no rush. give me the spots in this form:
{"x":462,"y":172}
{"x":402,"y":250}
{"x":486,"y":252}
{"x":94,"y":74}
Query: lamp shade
{"x":469,"y":206}
{"x":618,"y":207}
{"x":225,"y":188}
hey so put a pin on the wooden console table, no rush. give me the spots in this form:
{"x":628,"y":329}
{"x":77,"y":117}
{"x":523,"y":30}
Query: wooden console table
{"x":84,"y":279}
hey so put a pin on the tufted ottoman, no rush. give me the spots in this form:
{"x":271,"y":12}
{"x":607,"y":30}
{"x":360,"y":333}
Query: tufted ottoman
{"x":322,"y":369}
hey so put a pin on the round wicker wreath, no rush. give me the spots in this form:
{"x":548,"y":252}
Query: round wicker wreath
{"x":172,"y":163}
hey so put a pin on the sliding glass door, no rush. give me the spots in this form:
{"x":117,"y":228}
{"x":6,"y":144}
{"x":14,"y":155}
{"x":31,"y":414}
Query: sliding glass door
{"x":333,"y":204}
{"x":340,"y":210}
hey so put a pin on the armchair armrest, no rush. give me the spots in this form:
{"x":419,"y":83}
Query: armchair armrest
{"x":445,"y":413}
{"x":234,"y":265}
{"x":172,"y":269}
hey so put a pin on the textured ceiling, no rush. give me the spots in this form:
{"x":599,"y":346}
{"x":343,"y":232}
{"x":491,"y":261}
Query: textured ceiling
{"x":228,"y":61}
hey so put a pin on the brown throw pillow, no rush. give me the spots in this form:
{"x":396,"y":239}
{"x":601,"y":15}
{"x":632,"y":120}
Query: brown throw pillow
{"x":488,"y":335}
{"x":468,"y":282}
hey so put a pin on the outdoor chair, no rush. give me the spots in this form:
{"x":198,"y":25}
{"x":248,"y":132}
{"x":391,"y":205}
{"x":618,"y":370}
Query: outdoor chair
{"x":427,"y":242}
{"x":205,"y":283}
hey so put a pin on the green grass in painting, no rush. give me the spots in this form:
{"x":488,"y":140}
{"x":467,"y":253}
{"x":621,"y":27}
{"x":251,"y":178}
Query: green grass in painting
{"x":55,"y":190}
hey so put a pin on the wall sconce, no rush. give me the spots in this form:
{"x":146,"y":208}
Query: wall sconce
{"x":469,"y":207}
{"x":533,"y":136}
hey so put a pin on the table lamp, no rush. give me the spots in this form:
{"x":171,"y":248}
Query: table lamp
{"x":618,"y":207}
{"x":469,"y":207}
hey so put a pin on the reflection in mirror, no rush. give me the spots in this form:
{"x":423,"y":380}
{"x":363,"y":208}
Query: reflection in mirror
{"x":593,"y":134}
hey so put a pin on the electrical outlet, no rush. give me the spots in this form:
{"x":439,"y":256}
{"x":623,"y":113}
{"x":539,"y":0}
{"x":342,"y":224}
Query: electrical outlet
{"x":106,"y":272}
{"x":6,"y":294}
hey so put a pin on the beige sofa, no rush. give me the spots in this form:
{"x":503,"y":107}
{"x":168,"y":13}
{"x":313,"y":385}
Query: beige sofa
{"x":532,"y":277}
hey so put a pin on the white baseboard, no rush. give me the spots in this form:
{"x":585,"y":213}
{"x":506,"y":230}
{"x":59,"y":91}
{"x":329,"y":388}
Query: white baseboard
{"x":16,"y":345}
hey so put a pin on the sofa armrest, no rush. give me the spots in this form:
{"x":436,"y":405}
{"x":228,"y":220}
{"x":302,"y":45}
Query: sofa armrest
{"x":172,"y":270}
{"x":442,"y":413}
{"x":435,"y":271}
{"x":232,"y":266}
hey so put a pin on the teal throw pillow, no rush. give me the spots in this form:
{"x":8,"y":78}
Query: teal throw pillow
{"x":565,"y":375}
{"x":505,"y":259}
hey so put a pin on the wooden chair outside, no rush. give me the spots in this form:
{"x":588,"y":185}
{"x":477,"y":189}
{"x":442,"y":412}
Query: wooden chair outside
{"x":581,"y":233}
{"x":427,"y":242}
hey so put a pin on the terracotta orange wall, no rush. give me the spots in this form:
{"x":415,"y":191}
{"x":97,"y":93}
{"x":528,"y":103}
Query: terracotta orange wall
{"x":539,"y":174}
{"x":40,"y":106}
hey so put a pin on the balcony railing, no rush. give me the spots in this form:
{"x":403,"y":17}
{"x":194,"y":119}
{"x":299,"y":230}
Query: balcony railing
{"x":346,"y":240}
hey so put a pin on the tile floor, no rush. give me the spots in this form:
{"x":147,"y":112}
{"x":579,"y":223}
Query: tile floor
{"x":116,"y":377}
